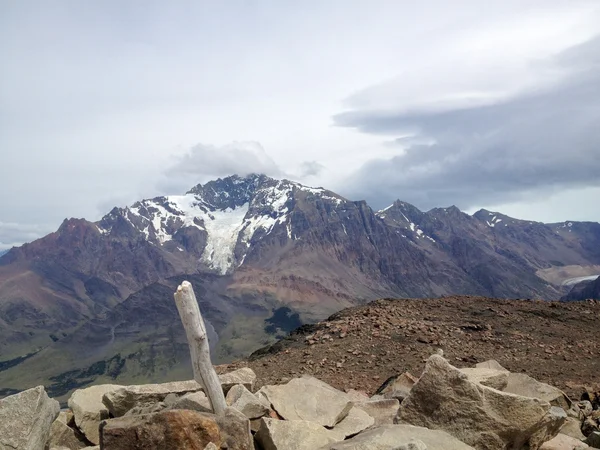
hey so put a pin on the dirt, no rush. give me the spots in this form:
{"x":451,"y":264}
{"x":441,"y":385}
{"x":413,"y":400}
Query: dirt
{"x":359,"y":348}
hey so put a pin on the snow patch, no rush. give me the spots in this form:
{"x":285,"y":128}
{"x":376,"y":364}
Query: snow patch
{"x":223,"y":228}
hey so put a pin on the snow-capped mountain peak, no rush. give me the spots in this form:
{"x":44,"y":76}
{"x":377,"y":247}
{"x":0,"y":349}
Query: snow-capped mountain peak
{"x":228,"y":212}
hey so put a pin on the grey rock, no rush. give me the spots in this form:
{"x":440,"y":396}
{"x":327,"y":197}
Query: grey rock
{"x":572,"y":428}
{"x":308,"y":399}
{"x":383,"y":411}
{"x":398,"y":386}
{"x":356,"y":421}
{"x":276,"y":434}
{"x":195,"y":401}
{"x":393,"y":437}
{"x":63,"y":436}
{"x":524,"y":385}
{"x":120,"y":400}
{"x":497,"y":379}
{"x":26,"y":419}
{"x":247,"y":403}
{"x":89,"y":410}
{"x":244,"y":376}
{"x":480,"y":416}
{"x":138,"y":410}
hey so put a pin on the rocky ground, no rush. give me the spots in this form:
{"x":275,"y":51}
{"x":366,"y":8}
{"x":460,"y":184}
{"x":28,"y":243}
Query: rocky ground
{"x":556,"y":343}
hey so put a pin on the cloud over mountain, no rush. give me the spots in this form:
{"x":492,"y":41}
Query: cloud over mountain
{"x":490,"y":149}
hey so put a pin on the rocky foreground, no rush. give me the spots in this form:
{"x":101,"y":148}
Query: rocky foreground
{"x":445,"y":408}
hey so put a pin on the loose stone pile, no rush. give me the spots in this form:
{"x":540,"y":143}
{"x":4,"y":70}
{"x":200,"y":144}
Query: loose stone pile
{"x":484,"y":407}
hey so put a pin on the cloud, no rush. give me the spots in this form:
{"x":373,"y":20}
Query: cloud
{"x":205,"y":162}
{"x":13,"y":234}
{"x":527,"y":144}
{"x":310,"y":169}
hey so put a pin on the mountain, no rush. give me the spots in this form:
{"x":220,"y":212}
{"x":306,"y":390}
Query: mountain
{"x":93,"y":300}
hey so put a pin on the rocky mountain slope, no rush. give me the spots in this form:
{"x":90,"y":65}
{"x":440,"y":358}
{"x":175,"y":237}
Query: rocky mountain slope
{"x":93,"y":301}
{"x":360,"y":347}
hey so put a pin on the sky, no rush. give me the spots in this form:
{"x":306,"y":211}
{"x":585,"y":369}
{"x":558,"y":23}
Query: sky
{"x":476,"y":104}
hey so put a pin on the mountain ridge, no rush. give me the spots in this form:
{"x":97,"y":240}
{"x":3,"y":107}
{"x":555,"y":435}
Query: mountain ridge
{"x":259,"y":250}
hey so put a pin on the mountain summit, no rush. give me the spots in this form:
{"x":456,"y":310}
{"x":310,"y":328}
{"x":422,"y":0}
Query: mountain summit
{"x":264,"y":256}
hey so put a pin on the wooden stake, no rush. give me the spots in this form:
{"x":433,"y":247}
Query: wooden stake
{"x":204,"y":372}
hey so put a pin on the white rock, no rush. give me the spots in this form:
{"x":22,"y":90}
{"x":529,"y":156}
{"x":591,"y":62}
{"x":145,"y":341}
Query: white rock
{"x":26,"y":419}
{"x":89,"y":410}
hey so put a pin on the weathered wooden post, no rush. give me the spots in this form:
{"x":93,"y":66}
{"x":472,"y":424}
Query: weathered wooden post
{"x":204,"y":372}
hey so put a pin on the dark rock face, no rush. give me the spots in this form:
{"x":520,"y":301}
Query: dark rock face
{"x":251,"y":246}
{"x":584,"y":290}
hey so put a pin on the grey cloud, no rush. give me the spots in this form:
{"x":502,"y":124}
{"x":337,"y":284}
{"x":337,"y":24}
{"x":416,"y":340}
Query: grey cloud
{"x":532,"y":144}
{"x":311,"y":169}
{"x":14,"y":234}
{"x":206,"y":162}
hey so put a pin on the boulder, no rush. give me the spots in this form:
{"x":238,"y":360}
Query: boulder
{"x":383,"y":411}
{"x":246,"y":402}
{"x":244,"y":376}
{"x":572,"y":428}
{"x":276,"y":434}
{"x":123,"y":398}
{"x":89,"y":410}
{"x":497,"y":379}
{"x":308,"y":399}
{"x":563,"y":442}
{"x":26,"y":419}
{"x":177,"y":430}
{"x":444,"y":398}
{"x":391,"y":437}
{"x":356,"y":421}
{"x":397,"y":386}
{"x":62,"y":435}
{"x":490,"y":364}
{"x":524,"y":385}
{"x":195,"y":401}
